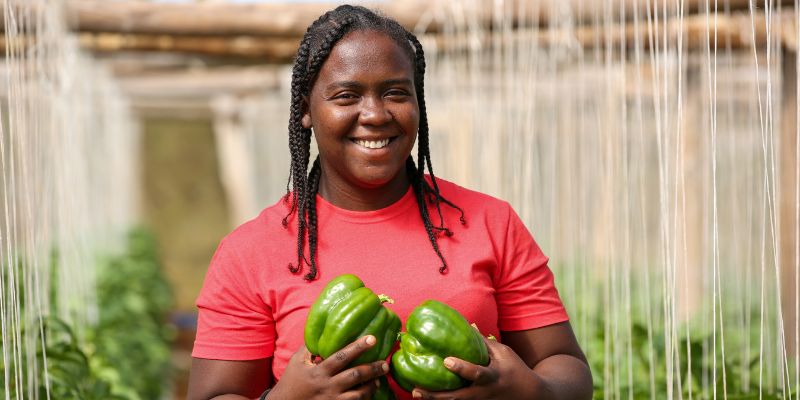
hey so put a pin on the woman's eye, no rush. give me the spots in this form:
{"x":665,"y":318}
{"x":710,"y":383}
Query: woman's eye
{"x":397,"y":92}
{"x":345,"y":96}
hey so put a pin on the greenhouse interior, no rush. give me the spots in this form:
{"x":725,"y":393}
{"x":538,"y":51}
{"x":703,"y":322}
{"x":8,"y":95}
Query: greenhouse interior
{"x":650,"y":146}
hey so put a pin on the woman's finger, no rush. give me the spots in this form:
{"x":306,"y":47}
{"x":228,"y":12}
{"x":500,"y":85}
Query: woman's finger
{"x":470,"y":371}
{"x":363,"y":392}
{"x":360,"y":374}
{"x":302,"y":355}
{"x":493,"y":347}
{"x":498,"y":351}
{"x":466,"y":393}
{"x":339,"y":360}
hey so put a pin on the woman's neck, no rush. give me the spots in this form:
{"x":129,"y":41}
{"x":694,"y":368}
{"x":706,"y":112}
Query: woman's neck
{"x":352,"y":197}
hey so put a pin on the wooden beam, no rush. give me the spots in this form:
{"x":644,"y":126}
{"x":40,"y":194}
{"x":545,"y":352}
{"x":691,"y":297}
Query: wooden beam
{"x":740,"y":30}
{"x":268,"y":49}
{"x":191,"y":94}
{"x":201,"y":84}
{"x":292,"y":19}
{"x":204,"y":18}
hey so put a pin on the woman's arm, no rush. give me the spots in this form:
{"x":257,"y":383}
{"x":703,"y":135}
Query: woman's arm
{"x":555,"y":356}
{"x":222,"y":379}
{"x":542,"y":363}
{"x":304,"y":378}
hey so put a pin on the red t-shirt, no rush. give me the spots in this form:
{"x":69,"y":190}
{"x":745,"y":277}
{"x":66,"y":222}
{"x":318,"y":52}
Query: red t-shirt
{"x":251,"y":306}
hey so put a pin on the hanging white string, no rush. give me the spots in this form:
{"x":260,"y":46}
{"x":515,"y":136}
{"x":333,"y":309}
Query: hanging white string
{"x":59,"y":190}
{"x":751,"y":7}
{"x":716,"y":281}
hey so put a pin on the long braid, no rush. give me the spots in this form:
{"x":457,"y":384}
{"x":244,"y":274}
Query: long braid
{"x":306,"y":66}
{"x":313,"y":177}
{"x":295,"y":127}
{"x":297,"y":133}
{"x":419,"y":193}
{"x":297,"y":174}
{"x":315,"y":47}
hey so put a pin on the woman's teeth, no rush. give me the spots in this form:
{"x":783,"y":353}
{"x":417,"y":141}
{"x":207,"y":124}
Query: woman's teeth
{"x":373,"y":144}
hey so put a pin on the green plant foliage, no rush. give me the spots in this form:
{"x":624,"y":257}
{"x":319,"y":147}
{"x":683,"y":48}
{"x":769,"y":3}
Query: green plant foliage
{"x":69,"y":370}
{"x":647,"y":369}
{"x":131,"y":341}
{"x":125,"y":355}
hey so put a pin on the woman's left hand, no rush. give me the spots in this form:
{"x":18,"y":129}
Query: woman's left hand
{"x":506,"y":377}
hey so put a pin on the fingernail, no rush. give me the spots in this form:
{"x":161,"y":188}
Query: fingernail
{"x":448,"y":362}
{"x":377,"y":383}
{"x":417,"y":395}
{"x":385,"y":367}
{"x":370,"y":340}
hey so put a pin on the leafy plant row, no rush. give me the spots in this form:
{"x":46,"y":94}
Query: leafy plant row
{"x":125,"y":355}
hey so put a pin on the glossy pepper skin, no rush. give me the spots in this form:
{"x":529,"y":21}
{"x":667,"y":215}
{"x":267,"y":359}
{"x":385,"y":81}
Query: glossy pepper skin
{"x":435,"y":331}
{"x":345,"y":311}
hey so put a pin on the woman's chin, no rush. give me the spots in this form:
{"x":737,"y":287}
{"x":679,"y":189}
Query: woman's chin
{"x":377,"y":179}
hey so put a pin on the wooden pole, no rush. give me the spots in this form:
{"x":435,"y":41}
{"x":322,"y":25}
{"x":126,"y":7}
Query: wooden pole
{"x":235,"y":160}
{"x":689,"y":265}
{"x":787,"y":200}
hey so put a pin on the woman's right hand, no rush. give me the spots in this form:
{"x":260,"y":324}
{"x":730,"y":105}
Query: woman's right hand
{"x":330,"y":378}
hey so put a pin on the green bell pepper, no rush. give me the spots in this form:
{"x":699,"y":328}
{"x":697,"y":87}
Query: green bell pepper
{"x":345,"y":311}
{"x":435,"y":331}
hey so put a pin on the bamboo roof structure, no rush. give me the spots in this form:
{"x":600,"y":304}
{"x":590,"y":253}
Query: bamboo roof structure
{"x":291,"y":19}
{"x":270,"y":32}
{"x":194,"y":50}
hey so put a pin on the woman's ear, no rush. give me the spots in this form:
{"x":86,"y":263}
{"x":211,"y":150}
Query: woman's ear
{"x":305,"y":120}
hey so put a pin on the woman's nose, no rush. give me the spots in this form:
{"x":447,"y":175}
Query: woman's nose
{"x":374,"y":112}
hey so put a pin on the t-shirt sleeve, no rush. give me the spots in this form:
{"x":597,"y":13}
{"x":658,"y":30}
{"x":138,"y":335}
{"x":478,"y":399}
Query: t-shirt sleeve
{"x":234,"y":323}
{"x":525,"y":289}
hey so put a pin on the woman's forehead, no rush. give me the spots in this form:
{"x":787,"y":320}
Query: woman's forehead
{"x":366,"y":52}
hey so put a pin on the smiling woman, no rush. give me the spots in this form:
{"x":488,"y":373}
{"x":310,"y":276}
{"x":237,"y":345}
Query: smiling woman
{"x":365,"y":128}
{"x":366,"y":208}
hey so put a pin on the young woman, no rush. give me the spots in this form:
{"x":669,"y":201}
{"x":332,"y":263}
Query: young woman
{"x":367,"y":208}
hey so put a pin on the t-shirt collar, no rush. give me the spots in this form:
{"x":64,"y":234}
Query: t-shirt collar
{"x":399,"y":207}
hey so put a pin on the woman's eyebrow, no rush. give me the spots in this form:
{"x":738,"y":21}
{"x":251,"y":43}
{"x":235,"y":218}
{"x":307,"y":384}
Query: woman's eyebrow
{"x":359,"y":85}
{"x":344,"y":84}
{"x":399,"y":81}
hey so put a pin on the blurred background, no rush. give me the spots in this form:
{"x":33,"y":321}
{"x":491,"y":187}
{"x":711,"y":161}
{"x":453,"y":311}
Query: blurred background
{"x":649,"y":145}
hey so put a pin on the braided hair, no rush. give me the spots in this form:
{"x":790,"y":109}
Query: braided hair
{"x":301,"y":188}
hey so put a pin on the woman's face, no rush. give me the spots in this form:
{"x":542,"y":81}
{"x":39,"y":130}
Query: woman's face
{"x":363,"y":108}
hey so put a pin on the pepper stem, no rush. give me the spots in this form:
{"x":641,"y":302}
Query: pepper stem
{"x":385,"y":299}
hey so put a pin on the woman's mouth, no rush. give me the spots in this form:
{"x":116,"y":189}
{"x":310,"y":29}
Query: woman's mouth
{"x":373,"y":144}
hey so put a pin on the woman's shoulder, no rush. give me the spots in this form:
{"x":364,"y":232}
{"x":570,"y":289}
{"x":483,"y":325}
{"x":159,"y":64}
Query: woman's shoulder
{"x":256,"y":249}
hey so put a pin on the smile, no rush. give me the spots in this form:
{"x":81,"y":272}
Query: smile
{"x":373,"y":144}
